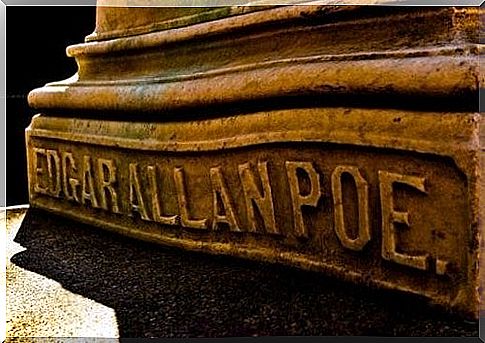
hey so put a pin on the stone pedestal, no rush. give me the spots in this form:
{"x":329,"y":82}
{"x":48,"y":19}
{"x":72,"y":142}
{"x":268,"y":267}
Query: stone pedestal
{"x":339,"y":139}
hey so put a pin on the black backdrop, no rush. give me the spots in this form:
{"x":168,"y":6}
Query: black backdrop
{"x":37,"y":37}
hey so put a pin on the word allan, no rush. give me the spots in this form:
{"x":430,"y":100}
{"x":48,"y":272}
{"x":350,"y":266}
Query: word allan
{"x":84,"y":189}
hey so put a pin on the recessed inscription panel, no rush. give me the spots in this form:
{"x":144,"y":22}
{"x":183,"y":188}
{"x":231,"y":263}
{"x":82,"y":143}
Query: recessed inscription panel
{"x":374,"y":214}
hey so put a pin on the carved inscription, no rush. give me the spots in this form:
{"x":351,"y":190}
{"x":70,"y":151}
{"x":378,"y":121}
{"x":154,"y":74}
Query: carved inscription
{"x":156,"y":204}
{"x":88,"y":193}
{"x":298,"y":199}
{"x":185,"y":219}
{"x":137,"y":202}
{"x":256,"y":198}
{"x":391,"y":216}
{"x":70,"y":185}
{"x":95,"y":183}
{"x":47,"y":163}
{"x":107,"y":181}
{"x":363,"y":236}
{"x":222,"y":199}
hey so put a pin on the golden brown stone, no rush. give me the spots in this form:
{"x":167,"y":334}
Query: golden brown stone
{"x":335,"y":139}
{"x":116,"y":22}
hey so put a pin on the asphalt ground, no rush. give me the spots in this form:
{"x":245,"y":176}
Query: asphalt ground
{"x":158,"y":291}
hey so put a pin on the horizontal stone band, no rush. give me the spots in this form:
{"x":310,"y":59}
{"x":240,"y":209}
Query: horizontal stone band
{"x":281,"y":52}
{"x":372,"y":211}
{"x":457,"y":75}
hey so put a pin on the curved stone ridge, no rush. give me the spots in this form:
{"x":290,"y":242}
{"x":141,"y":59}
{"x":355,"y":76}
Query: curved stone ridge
{"x":284,"y":51}
{"x":116,"y":22}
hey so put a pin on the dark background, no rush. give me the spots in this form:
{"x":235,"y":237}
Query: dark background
{"x":37,"y":37}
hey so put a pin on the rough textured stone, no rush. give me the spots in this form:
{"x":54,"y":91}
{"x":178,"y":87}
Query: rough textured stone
{"x":335,"y":139}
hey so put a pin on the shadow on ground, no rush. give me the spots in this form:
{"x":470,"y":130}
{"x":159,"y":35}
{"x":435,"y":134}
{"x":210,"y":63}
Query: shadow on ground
{"x":158,"y":291}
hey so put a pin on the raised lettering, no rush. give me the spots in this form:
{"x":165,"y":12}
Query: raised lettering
{"x":297,"y":199}
{"x":157,"y":212}
{"x":391,"y":216}
{"x":262,"y":199}
{"x":220,"y":191}
{"x":54,"y":171}
{"x":38,"y":170}
{"x":88,"y":183}
{"x":183,"y":203}
{"x":136,"y":198}
{"x":106,"y":184}
{"x":363,"y":236}
{"x":68,"y":159}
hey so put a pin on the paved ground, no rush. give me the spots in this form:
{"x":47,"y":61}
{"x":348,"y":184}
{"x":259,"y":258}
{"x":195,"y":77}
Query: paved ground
{"x":134,"y":289}
{"x":38,"y":306}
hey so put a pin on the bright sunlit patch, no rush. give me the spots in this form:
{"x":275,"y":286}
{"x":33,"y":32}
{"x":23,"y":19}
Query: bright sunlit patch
{"x":40,"y":307}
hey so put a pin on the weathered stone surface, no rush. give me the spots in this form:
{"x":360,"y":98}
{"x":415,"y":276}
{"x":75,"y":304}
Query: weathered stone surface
{"x":335,"y":139}
{"x":116,"y":22}
{"x":281,"y":52}
{"x":321,"y":193}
